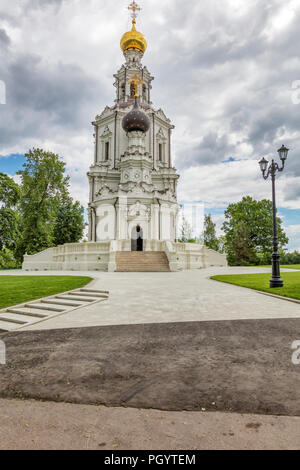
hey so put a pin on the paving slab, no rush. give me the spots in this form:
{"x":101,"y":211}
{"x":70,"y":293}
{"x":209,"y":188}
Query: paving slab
{"x":140,"y":298}
{"x":32,"y":425}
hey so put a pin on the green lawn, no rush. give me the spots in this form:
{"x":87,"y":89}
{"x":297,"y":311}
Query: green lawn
{"x":261,"y":282}
{"x":15,"y":290}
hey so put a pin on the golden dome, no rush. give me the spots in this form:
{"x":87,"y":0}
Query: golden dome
{"x":133,"y":39}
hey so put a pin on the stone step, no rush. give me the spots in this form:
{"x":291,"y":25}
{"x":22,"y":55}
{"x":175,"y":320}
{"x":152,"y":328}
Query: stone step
{"x":95,"y":290}
{"x":85,"y":294}
{"x":10,"y":319}
{"x":142,"y":261}
{"x":140,"y":254}
{"x":7,"y":326}
{"x":62,"y":304}
{"x":150,"y":265}
{"x":27,"y":312}
{"x":43,"y":307}
{"x":74,"y":298}
{"x":142,"y":269}
{"x":30,"y":313}
{"x":136,"y":263}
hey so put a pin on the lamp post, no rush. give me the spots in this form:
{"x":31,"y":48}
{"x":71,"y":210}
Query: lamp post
{"x":276,"y":280}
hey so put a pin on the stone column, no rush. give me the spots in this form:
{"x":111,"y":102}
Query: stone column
{"x":96,"y":144}
{"x":90,"y":225}
{"x":169,"y":150}
{"x":122,"y":219}
{"x":94,"y":236}
{"x":155,"y":222}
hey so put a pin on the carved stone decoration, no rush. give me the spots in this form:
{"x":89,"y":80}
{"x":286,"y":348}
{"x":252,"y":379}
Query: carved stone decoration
{"x":105,"y":190}
{"x":138,"y":210}
{"x":162,"y":115}
{"x":106,"y":133}
{"x":106,"y":112}
{"x":160,"y":135}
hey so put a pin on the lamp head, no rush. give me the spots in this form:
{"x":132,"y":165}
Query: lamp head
{"x":263,"y":163}
{"x":283,"y":153}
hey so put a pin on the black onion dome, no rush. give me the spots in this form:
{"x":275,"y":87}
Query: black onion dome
{"x":136,"y":120}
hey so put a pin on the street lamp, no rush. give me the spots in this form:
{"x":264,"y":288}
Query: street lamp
{"x":276,"y":280}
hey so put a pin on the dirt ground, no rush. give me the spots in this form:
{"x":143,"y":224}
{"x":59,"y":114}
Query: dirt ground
{"x":34,"y":425}
{"x":237,"y":366}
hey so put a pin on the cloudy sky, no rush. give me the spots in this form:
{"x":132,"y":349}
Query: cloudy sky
{"x":226,"y":73}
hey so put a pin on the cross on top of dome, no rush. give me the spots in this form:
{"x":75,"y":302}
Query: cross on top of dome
{"x":135,"y":9}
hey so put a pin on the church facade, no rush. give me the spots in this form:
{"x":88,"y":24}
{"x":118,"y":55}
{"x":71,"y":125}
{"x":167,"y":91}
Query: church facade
{"x":133,"y":204}
{"x":133,"y":184}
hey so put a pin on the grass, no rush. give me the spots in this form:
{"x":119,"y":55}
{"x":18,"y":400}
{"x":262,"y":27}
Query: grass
{"x":15,"y":290}
{"x":261,"y":282}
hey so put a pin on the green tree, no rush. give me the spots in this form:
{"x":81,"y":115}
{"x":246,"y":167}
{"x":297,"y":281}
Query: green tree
{"x":209,"y":234}
{"x":185,"y":231}
{"x":257,"y":217}
{"x":43,"y":184}
{"x":69,"y":222}
{"x":9,"y":220}
{"x":290,"y":257}
{"x":7,"y":259}
{"x":240,"y":250}
{"x":222,"y":243}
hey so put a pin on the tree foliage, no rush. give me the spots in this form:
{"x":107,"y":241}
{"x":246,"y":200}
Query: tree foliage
{"x":9,"y":197}
{"x":248,"y":227}
{"x":44,"y":201}
{"x":69,"y":223}
{"x":186,"y":232}
{"x":209,"y":234}
{"x":290,"y":258}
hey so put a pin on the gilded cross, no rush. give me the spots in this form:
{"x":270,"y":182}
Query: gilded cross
{"x":135,"y":9}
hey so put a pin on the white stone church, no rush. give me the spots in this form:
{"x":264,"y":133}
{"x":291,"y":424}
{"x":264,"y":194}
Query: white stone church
{"x":133,"y":207}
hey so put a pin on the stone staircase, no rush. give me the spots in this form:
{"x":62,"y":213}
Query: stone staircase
{"x":141,"y":261}
{"x":38,"y":310}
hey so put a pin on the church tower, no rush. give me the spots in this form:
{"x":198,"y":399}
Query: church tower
{"x":133,"y":184}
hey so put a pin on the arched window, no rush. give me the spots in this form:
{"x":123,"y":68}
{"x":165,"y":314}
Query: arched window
{"x":145,"y":93}
{"x":106,"y":150}
{"x":160,"y":152}
{"x":123,"y":90}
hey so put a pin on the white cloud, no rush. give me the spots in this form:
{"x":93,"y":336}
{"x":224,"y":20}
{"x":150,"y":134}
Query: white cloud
{"x":226,"y":85}
{"x":221,"y":184}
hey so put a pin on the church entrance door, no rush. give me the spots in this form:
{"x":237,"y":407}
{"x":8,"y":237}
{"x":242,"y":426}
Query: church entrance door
{"x":137,"y":241}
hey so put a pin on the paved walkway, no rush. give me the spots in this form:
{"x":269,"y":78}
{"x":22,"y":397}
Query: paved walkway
{"x":62,"y":426}
{"x":138,"y":298}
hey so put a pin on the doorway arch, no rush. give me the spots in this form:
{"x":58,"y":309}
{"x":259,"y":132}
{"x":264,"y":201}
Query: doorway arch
{"x":137,"y":241}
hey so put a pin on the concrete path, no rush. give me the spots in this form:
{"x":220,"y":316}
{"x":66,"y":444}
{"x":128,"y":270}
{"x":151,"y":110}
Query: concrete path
{"x":35,"y":425}
{"x":138,"y":298}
